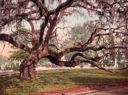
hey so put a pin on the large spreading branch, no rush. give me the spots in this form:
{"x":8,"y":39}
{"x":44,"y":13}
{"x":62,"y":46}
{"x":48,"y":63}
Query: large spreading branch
{"x":8,"y":38}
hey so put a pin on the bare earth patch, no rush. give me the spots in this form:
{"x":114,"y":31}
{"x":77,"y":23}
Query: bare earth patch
{"x":76,"y":90}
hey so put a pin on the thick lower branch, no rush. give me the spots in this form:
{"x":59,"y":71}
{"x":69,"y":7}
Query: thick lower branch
{"x":73,"y":62}
{"x":8,"y":38}
{"x":56,"y":61}
{"x":93,"y":63}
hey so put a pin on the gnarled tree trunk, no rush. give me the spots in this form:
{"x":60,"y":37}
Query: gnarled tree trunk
{"x":27,"y":67}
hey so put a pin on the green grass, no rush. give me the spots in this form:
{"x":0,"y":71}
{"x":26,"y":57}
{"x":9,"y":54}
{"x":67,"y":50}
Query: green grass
{"x":57,"y":80}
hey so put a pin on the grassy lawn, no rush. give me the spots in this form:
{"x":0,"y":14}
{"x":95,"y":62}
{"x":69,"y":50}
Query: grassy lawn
{"x":56,"y":80}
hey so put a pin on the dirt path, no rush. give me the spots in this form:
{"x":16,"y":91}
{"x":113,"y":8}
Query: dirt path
{"x":119,"y":87}
{"x":114,"y":91}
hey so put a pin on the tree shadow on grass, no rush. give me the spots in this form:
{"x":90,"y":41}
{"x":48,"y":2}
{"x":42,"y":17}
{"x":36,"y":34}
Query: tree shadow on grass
{"x":103,"y":84}
{"x":12,"y":85}
{"x":86,"y":81}
{"x":6,"y":83}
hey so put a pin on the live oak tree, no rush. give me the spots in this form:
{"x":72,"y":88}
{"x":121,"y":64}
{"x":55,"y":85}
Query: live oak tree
{"x":112,"y":20}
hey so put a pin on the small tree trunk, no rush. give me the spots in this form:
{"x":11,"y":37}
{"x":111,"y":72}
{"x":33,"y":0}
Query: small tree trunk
{"x":116,"y":65}
{"x":27,"y":68}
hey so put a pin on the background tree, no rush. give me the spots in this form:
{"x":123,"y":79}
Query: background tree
{"x":41,"y":13}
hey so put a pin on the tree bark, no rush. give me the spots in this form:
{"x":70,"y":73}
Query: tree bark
{"x":27,"y":67}
{"x":116,"y":65}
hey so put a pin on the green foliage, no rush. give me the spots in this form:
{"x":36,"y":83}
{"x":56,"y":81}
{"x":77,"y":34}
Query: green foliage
{"x":57,"y":80}
{"x":12,"y":66}
{"x":80,"y":34}
{"x":18,"y":55}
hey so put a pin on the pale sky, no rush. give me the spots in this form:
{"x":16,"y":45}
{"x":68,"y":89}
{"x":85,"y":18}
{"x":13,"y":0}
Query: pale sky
{"x":5,"y":49}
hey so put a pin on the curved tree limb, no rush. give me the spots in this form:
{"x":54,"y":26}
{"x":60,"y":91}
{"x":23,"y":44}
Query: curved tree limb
{"x":73,"y":62}
{"x":8,"y":38}
{"x":93,"y":63}
{"x":34,"y":34}
{"x":62,"y":6}
{"x":90,"y":60}
{"x":55,"y":60}
{"x":82,"y":49}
